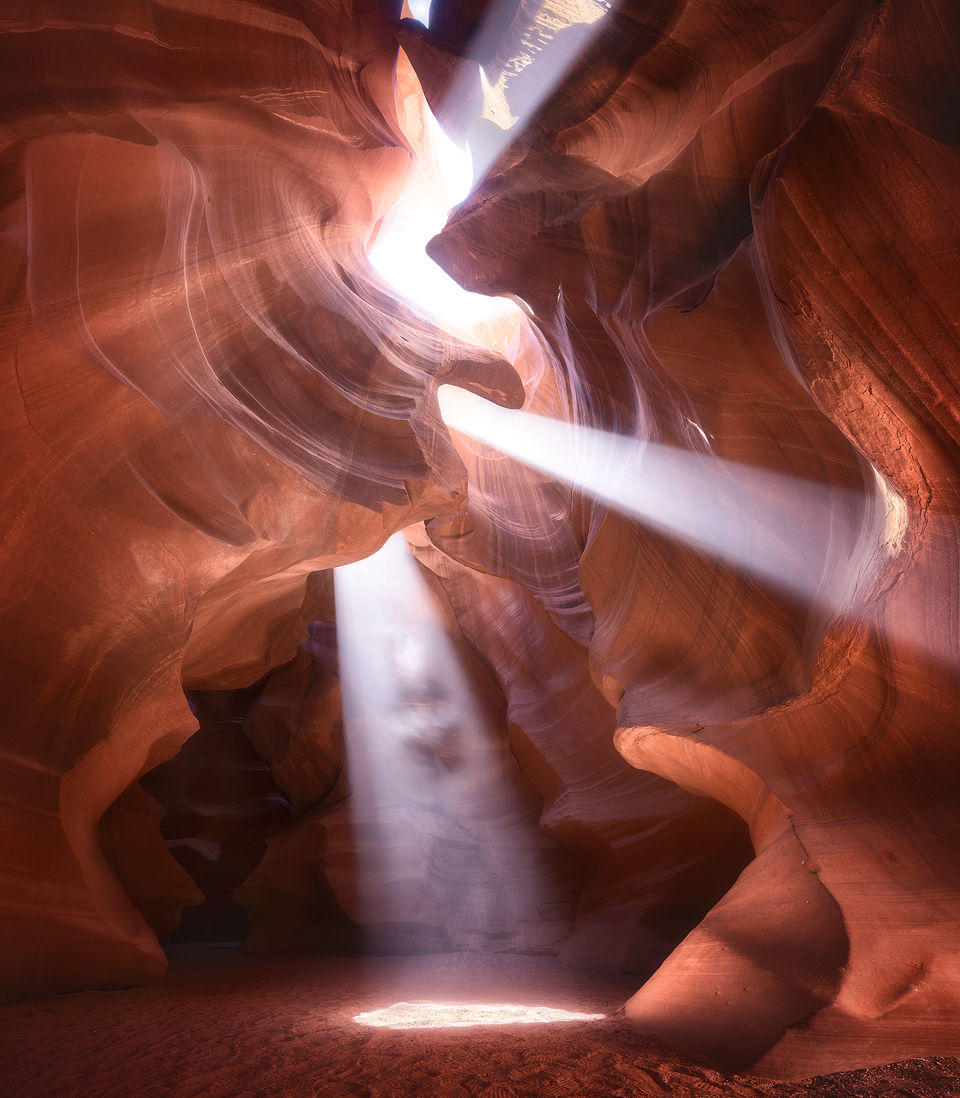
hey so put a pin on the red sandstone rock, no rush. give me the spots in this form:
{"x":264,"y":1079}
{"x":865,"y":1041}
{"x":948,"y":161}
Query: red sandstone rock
{"x":734,"y":226}
{"x":132,"y":844}
{"x":207,"y":398}
{"x":653,"y":858}
{"x":752,"y":235}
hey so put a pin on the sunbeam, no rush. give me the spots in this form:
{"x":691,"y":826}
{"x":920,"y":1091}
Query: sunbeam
{"x":439,"y":179}
{"x":516,"y":57}
{"x":446,"y":172}
{"x":820,"y":542}
{"x":551,"y":39}
{"x":457,"y":857}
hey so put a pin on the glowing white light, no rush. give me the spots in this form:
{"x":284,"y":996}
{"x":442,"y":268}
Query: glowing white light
{"x":450,"y":850}
{"x":458,"y":1015}
{"x":552,"y":39}
{"x":419,"y":214}
{"x":446,"y":173}
{"x":817,"y":540}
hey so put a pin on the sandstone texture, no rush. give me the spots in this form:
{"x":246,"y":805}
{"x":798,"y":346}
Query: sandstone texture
{"x":208,"y":399}
{"x":731,"y":232}
{"x":737,"y":239}
{"x":292,"y":1017}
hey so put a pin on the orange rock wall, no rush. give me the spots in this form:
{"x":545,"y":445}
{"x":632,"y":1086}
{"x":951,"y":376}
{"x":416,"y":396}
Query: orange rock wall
{"x":200,"y":398}
{"x":733,"y":227}
{"x":749,"y":233}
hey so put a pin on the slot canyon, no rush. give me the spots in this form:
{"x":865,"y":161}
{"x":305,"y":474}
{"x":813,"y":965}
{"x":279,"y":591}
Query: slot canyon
{"x":480,"y":569}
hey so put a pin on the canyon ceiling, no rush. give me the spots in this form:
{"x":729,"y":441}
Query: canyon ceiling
{"x":730,"y":229}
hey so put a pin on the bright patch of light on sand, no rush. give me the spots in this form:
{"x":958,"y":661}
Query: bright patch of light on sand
{"x":459,"y":1016}
{"x":823,"y":542}
{"x":421,"y":211}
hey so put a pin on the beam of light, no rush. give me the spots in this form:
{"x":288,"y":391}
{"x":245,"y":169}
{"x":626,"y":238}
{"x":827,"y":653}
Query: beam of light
{"x":823,"y":543}
{"x":460,"y":1016}
{"x":446,"y":173}
{"x":437,"y":182}
{"x":448,"y":856}
{"x":551,"y":40}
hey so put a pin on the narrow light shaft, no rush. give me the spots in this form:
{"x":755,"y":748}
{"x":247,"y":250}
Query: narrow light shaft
{"x":551,"y":44}
{"x":448,"y":851}
{"x":435,"y":185}
{"x":789,"y":532}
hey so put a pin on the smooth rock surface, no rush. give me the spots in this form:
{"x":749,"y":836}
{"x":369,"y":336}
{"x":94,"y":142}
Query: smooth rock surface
{"x":732,"y":228}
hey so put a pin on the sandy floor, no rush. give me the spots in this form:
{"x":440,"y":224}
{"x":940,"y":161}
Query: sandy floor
{"x":224,"y":1024}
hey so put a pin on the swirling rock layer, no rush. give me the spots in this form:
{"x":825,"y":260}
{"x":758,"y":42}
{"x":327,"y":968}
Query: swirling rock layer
{"x":744,"y":248}
{"x":207,"y":399}
{"x":733,"y":229}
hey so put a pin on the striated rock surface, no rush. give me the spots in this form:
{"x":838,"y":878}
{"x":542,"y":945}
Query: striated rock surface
{"x":736,"y":237}
{"x":207,"y":397}
{"x":732,"y":227}
{"x":654,"y":859}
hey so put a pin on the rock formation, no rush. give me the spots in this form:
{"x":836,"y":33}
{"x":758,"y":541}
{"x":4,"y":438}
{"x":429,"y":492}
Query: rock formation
{"x":208,"y":400}
{"x":732,"y":231}
{"x":738,"y":239}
